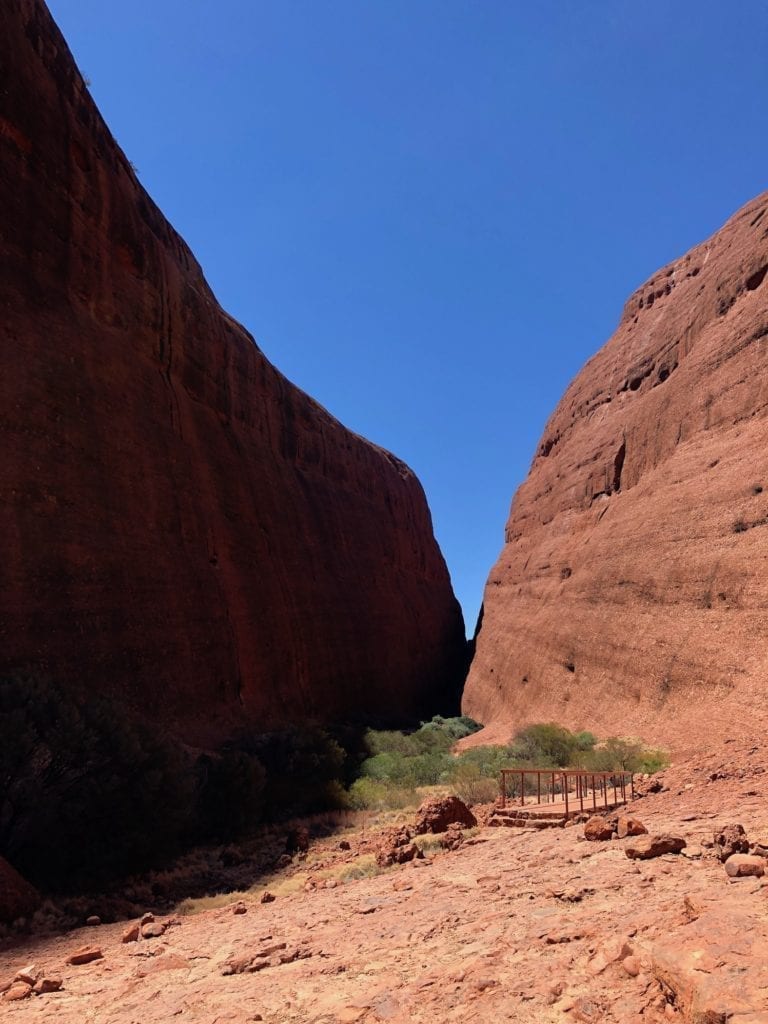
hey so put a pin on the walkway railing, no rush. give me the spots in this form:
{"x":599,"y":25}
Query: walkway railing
{"x":577,"y":790}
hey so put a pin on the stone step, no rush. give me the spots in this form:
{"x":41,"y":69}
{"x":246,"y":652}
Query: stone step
{"x":506,"y":821}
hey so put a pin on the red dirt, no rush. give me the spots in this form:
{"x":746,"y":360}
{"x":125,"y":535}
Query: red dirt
{"x":535,"y":927}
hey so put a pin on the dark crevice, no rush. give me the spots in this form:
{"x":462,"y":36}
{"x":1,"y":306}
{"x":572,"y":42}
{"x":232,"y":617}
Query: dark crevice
{"x":618,"y":466}
{"x":756,"y":279}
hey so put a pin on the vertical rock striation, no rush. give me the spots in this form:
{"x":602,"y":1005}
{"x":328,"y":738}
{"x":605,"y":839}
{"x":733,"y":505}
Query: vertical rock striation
{"x":631,"y":595}
{"x":180,"y":525}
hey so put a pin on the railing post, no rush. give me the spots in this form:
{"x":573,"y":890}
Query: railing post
{"x":503,"y":788}
{"x":522,"y":789}
{"x":564,"y":777}
{"x":594,"y":799}
{"x":538,"y":787}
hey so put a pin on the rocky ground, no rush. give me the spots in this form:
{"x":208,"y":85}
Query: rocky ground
{"x":511,"y":925}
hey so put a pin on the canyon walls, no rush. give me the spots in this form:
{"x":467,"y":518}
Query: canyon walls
{"x":181,"y":527}
{"x":631,"y":594}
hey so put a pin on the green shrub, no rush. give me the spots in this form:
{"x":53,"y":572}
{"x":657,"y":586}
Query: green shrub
{"x":471,"y":786}
{"x":544,"y":745}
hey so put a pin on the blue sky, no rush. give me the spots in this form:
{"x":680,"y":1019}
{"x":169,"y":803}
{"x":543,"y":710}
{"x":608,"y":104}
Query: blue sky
{"x":430,"y":212}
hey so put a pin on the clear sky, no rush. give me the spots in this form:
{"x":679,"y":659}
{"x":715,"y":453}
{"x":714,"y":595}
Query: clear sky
{"x":430,"y":212}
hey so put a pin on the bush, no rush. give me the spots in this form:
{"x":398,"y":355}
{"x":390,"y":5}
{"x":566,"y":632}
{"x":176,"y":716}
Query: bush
{"x":545,"y":745}
{"x":304,"y":769}
{"x":471,"y":786}
{"x":374,"y":795}
{"x":230,"y":795}
{"x":86,"y":792}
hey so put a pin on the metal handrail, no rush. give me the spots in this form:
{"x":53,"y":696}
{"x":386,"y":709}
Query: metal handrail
{"x":581,"y":789}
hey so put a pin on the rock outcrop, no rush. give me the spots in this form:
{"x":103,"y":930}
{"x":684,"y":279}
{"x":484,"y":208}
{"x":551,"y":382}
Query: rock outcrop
{"x":181,"y":526}
{"x":17,"y":897}
{"x":631,"y":595}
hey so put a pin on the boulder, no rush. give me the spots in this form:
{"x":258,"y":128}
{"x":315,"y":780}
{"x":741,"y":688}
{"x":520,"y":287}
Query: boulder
{"x":645,"y":847}
{"x":18,"y":990}
{"x":437,"y":813}
{"x":599,"y":828}
{"x":131,"y":933}
{"x":397,"y":847}
{"x":453,"y":837}
{"x":46,"y":984}
{"x":744,"y":865}
{"x":730,"y":839}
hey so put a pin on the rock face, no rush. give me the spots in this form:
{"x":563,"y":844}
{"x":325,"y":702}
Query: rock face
{"x":17,"y":897}
{"x":181,"y":526}
{"x":631,"y":595}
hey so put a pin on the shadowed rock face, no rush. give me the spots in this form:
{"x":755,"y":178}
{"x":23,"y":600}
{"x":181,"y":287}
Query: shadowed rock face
{"x":180,"y":525}
{"x":631,"y":595}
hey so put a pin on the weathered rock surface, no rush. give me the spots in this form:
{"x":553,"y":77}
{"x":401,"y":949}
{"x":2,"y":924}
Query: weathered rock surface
{"x":180,"y":524}
{"x":631,"y":594}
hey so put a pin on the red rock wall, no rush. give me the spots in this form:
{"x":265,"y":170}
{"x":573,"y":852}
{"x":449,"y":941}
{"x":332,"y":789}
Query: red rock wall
{"x":631,"y":595}
{"x":180,"y":525}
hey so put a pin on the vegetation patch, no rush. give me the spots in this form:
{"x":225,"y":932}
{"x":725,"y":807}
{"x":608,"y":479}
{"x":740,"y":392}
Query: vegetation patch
{"x":400,"y":763}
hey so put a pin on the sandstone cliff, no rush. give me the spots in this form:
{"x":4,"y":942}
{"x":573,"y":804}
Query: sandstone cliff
{"x":180,"y":525}
{"x":631,"y":595}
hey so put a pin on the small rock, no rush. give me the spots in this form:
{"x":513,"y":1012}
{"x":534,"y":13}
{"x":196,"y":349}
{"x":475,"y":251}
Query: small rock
{"x":18,"y":990}
{"x":131,"y":933}
{"x":645,"y":847}
{"x":152,"y":930}
{"x":28,"y":974}
{"x":93,"y":921}
{"x":631,"y":965}
{"x":628,"y":826}
{"x":267,"y":897}
{"x":146,"y":918}
{"x":743,"y":865}
{"x":344,"y":845}
{"x":84,"y":955}
{"x":240,"y":908}
{"x":47,"y":984}
{"x":587,"y":1010}
{"x":693,"y":852}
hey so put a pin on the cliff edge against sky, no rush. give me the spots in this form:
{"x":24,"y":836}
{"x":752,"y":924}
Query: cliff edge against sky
{"x":631,"y":594}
